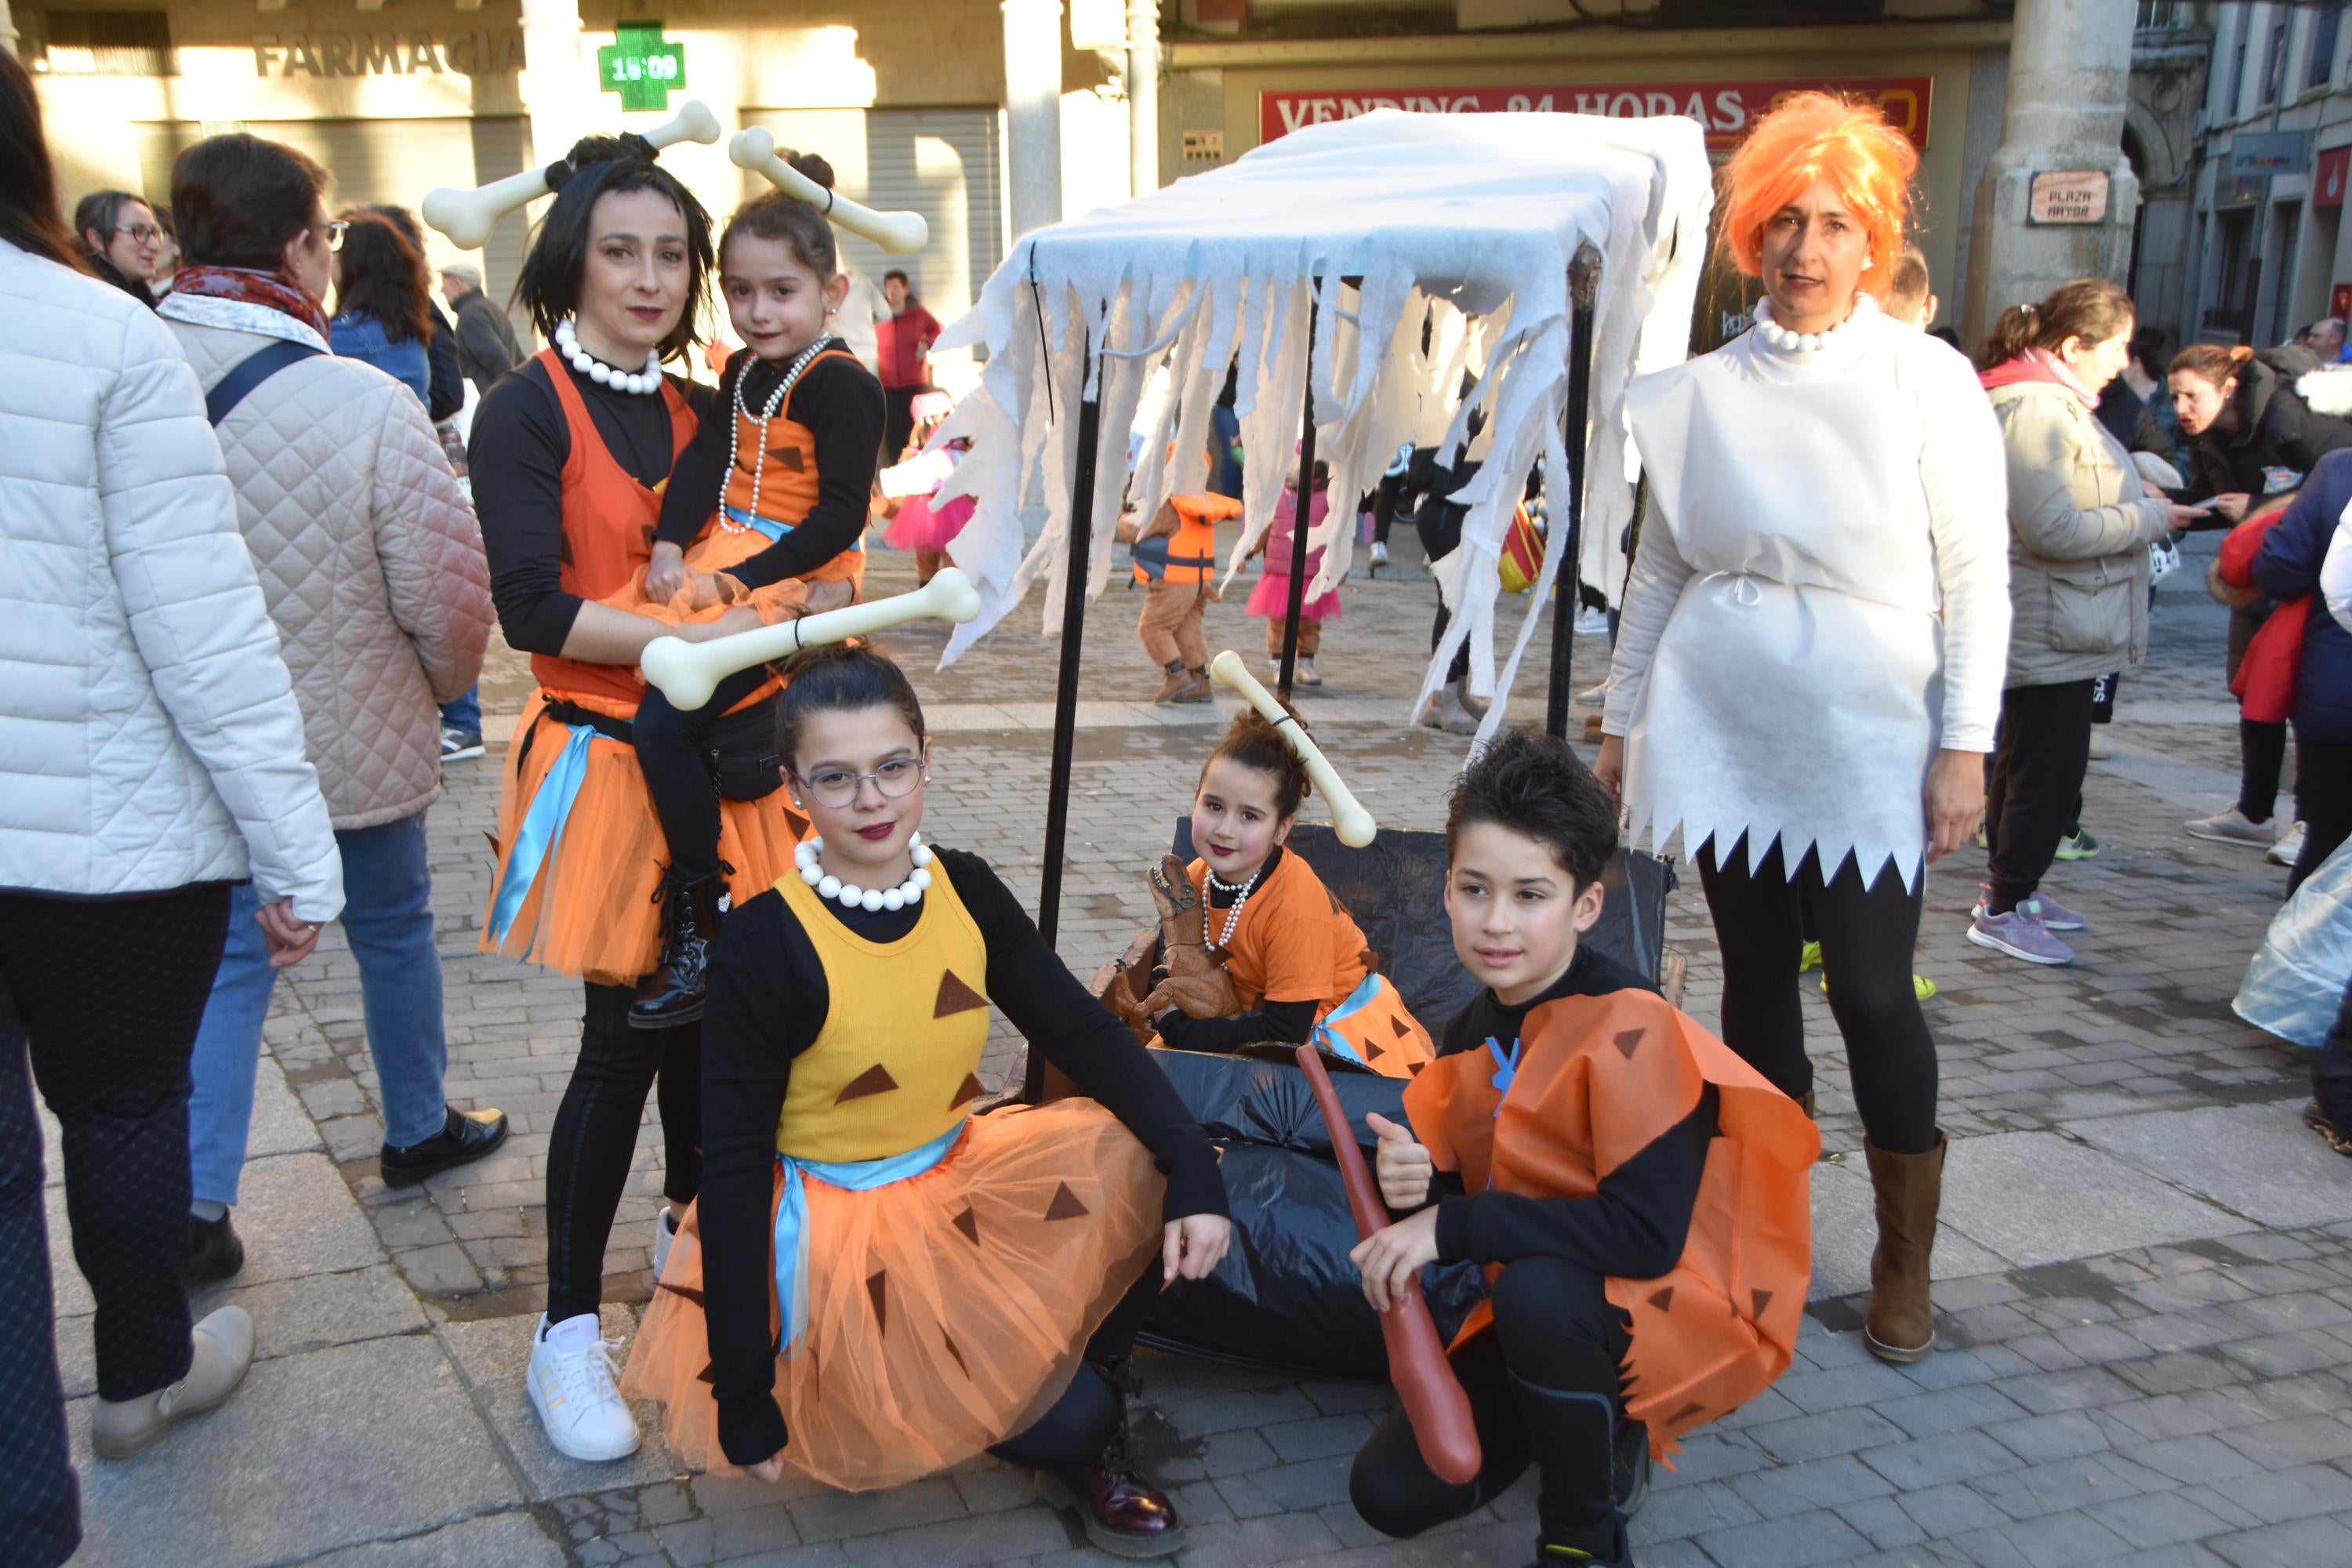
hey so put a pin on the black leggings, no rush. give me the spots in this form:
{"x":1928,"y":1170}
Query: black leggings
{"x":2037,"y":785}
{"x":2262,"y":759}
{"x":1543,"y":1386}
{"x":1867,"y":936}
{"x":1077,"y":1426}
{"x":595,"y":1139}
{"x":669,"y":743}
{"x":2323,"y":790}
{"x":1439,"y":523}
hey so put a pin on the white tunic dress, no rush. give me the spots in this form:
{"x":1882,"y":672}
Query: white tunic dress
{"x":1820,"y":594}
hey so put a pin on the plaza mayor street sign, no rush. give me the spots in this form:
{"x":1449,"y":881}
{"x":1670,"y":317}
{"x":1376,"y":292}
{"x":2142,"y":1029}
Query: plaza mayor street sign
{"x":1725,"y":109}
{"x":641,"y":66}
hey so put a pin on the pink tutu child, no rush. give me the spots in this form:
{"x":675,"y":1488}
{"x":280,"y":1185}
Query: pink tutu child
{"x":919,"y":523}
{"x":1270,"y":600}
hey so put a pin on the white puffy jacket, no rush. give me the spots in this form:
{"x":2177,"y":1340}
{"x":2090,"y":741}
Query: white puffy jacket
{"x":148,"y":733}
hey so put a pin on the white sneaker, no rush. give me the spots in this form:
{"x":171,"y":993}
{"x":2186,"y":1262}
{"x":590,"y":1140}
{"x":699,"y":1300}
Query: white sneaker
{"x":1380,"y":553}
{"x":1593,"y":696}
{"x":2289,"y":849}
{"x":2101,"y":747}
{"x":1591,"y":623}
{"x":571,"y":1384}
{"x":1306,"y":673}
{"x":665,"y":1232}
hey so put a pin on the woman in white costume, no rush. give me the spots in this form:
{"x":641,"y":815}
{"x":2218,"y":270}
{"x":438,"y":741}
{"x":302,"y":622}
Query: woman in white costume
{"x":1810,"y":658}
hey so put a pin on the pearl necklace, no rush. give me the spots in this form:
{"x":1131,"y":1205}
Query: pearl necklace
{"x":1242,"y":889}
{"x":768,"y":411}
{"x":567,"y":342}
{"x":853,"y":896}
{"x":1787,"y":341}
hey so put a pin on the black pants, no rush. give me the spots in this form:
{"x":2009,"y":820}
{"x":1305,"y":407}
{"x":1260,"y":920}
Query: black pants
{"x":595,"y":1139}
{"x":898,"y":420}
{"x":1543,"y":1387}
{"x":2037,"y":782}
{"x":1439,"y":523}
{"x":2323,"y":792}
{"x":1077,"y":1426}
{"x":670,"y":744}
{"x":2331,"y":1070}
{"x":2262,"y":759}
{"x":1867,"y":936}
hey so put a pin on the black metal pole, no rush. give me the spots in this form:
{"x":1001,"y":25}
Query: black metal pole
{"x":1303,"y":510}
{"x":1567,"y":582}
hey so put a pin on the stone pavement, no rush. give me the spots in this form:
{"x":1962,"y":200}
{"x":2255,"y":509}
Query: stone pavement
{"x":2145,"y":1263}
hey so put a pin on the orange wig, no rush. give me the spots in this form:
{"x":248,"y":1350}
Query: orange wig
{"x":1811,"y":137}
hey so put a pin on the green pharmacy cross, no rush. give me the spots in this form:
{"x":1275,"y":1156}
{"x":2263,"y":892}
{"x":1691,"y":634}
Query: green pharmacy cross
{"x":641,"y":66}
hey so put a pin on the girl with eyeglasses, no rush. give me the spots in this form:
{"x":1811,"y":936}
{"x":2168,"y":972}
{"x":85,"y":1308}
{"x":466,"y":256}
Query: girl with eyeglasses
{"x":124,"y":242}
{"x":875,"y":1284}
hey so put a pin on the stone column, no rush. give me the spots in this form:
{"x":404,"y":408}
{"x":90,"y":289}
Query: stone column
{"x":2069,"y":70}
{"x":1142,"y":96}
{"x":555,"y":85}
{"x":1032,"y":112}
{"x":7,"y":28}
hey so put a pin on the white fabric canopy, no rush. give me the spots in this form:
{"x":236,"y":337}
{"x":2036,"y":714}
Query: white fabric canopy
{"x":1440,"y":218}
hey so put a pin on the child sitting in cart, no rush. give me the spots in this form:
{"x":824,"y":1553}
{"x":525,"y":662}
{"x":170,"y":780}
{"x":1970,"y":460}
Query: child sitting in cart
{"x":1637,"y":1194}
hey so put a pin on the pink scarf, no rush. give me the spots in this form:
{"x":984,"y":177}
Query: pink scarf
{"x":2037,"y":364}
{"x":275,"y":290}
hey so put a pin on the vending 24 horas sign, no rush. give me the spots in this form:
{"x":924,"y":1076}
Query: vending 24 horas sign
{"x":1727,"y":109}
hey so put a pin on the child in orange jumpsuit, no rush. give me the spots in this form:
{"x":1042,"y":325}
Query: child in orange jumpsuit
{"x":1637,"y":1193}
{"x":1176,"y":561}
{"x":1297,"y":958}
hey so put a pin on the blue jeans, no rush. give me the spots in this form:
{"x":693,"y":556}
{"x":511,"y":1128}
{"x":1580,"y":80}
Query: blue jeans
{"x":388,"y":917}
{"x":466,"y":713}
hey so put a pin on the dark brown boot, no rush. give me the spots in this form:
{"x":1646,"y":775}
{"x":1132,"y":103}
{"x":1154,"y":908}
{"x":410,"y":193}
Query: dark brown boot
{"x":1901,"y":1326}
{"x":1124,"y":1513}
{"x":673,"y":992}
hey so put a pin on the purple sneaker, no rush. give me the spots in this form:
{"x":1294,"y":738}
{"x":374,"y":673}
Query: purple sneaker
{"x":2020,"y":935}
{"x":2041,"y":906}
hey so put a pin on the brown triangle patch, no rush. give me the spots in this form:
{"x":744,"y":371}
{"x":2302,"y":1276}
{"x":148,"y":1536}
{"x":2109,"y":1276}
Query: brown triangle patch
{"x":969,"y":1223}
{"x":1066,"y":1204}
{"x":1400,"y":1026}
{"x":789,"y":457}
{"x":955,"y":997}
{"x":971,"y":1092}
{"x":1664,"y":1301}
{"x":684,"y":1292}
{"x":955,"y":1352}
{"x":1763,"y":1299}
{"x":877,"y":1292}
{"x":708,"y":1374}
{"x":1416,"y":1068}
{"x":1629,"y":1041}
{"x":797,"y":823}
{"x":496,"y":852}
{"x":876,"y":1080}
{"x":1685,"y":1413}
{"x":1373,"y":1053}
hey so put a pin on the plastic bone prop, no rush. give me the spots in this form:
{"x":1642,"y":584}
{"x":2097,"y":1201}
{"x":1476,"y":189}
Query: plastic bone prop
{"x":466,"y":217}
{"x":688,"y":673}
{"x":898,"y":232}
{"x":1349,"y":820}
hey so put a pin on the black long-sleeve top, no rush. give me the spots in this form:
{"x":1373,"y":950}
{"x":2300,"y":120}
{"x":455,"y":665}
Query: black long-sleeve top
{"x":1289,"y":1021}
{"x":516,"y":457}
{"x":769,"y":1000}
{"x":841,"y":403}
{"x":1635,"y":1223}
{"x":446,"y":383}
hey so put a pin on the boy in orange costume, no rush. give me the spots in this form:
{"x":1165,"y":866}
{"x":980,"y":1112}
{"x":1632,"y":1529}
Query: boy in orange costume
{"x":1637,"y":1194}
{"x":1176,"y":561}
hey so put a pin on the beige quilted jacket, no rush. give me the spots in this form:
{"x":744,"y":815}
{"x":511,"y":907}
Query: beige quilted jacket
{"x":367,"y":551}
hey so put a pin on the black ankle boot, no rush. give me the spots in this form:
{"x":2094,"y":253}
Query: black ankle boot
{"x":1124,"y":1513}
{"x":673,"y":992}
{"x":214,"y":1252}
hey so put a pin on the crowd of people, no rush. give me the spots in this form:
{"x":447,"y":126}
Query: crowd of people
{"x":256,"y":587}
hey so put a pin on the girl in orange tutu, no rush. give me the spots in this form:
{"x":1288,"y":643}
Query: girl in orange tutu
{"x":1297,"y":957}
{"x":875,"y":1284}
{"x":764,"y":508}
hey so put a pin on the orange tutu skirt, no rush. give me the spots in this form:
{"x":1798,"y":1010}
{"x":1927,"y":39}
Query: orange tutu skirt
{"x":709,"y":591}
{"x":591,"y":910}
{"x":946,"y":1311}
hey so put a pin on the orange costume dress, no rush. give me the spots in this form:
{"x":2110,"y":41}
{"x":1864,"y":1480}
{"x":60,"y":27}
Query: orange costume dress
{"x":1596,"y":1079}
{"x":931,"y":1277}
{"x":1296,"y":941}
{"x":579,"y":847}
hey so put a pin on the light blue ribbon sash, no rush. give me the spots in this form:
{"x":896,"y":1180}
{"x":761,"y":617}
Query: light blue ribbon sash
{"x":792,"y":1215}
{"x":542,"y":831}
{"x":1507,"y":1073}
{"x":1329,"y":1038}
{"x":768,"y":525}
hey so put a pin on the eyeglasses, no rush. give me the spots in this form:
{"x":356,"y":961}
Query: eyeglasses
{"x":142,"y":233}
{"x":837,"y":787}
{"x":335,"y":230}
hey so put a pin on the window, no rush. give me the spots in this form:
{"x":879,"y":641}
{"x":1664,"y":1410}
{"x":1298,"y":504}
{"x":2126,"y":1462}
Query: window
{"x":2237,"y":82}
{"x":2287,"y":233}
{"x":2159,"y":16}
{"x":2274,"y":65}
{"x":2231,"y":275}
{"x":108,"y":43}
{"x":2321,"y":68}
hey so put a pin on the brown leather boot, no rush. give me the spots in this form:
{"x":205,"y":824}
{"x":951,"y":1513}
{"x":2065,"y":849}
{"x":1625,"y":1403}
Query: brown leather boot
{"x":1901,"y":1326}
{"x":1124,"y":1514}
{"x":1173,"y":690}
{"x":1202,"y":689}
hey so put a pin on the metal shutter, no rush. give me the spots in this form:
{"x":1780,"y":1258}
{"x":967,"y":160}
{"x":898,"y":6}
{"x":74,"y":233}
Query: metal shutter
{"x":945,"y":164}
{"x":390,"y":162}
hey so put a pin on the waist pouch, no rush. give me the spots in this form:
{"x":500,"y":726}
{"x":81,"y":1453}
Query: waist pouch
{"x":740,"y":751}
